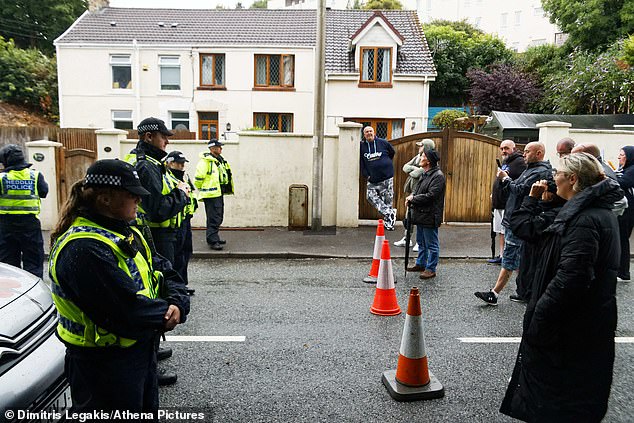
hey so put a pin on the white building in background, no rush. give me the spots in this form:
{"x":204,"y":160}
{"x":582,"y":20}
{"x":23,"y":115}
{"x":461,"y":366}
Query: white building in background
{"x":520,"y":24}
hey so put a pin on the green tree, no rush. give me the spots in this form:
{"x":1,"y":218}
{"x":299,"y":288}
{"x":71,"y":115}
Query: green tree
{"x":454,"y":53}
{"x":628,"y":50}
{"x":28,"y":78}
{"x":447,"y":119}
{"x":36,"y":23}
{"x":592,"y":83}
{"x":383,"y":5}
{"x":259,"y":4}
{"x":592,"y":24}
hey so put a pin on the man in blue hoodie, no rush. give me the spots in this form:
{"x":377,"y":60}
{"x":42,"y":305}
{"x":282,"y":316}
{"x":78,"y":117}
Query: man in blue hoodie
{"x":377,"y":167}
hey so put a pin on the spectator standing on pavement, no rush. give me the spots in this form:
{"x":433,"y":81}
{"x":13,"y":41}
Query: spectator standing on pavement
{"x":564,"y":146}
{"x":112,"y":307}
{"x":513,"y":164}
{"x":414,"y":172}
{"x":625,"y":177}
{"x":428,"y":202}
{"x":594,"y":151}
{"x":537,"y":169}
{"x":377,"y":167}
{"x":214,"y":180}
{"x":563,"y":371}
{"x":175,"y":162}
{"x":21,"y":188}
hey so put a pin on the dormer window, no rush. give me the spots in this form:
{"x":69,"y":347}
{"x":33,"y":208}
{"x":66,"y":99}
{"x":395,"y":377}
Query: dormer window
{"x":376,"y":66}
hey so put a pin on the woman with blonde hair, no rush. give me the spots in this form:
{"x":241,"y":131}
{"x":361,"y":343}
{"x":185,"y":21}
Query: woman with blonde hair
{"x":563,"y":371}
{"x":112,"y":298}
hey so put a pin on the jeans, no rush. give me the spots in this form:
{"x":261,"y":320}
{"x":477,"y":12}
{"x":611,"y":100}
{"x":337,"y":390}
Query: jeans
{"x":428,"y":248}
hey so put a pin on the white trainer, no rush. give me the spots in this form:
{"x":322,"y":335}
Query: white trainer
{"x":400,"y":243}
{"x":415,"y":249}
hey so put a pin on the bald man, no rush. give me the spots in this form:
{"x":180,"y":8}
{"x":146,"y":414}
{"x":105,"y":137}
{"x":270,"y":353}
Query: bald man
{"x":512,"y":163}
{"x":565,"y":146}
{"x":536,"y":169}
{"x":594,"y":151}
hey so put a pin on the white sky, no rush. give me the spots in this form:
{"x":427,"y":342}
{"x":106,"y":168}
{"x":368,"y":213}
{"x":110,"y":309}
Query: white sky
{"x":179,"y":4}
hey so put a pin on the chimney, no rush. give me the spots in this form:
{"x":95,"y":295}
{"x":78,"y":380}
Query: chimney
{"x":95,"y":6}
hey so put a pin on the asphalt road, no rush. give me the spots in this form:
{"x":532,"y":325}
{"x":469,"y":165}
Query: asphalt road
{"x":314,"y":353}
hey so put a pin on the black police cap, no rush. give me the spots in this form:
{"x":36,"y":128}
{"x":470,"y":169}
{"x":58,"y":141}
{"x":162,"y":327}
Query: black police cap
{"x":153,"y":124}
{"x":114,"y":173}
{"x":175,"y":156}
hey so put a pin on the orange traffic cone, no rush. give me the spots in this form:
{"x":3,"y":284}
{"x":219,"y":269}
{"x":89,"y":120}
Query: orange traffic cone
{"x":412,"y":380}
{"x":376,"y":255}
{"x":385,"y":302}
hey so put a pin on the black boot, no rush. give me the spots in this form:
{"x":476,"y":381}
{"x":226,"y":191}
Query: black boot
{"x":163,"y":353}
{"x":166,"y":378}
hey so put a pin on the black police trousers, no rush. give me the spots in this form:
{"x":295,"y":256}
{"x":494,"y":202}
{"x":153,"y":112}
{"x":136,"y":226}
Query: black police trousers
{"x":165,"y":242}
{"x":184,"y":249}
{"x":215,"y":210}
{"x":113,"y":378}
{"x":22,"y":245}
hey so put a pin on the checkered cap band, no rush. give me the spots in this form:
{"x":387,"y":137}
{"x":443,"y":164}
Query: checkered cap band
{"x":97,"y":179}
{"x":150,"y":127}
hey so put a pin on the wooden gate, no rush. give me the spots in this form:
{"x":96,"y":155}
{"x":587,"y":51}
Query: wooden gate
{"x":71,"y":167}
{"x":468,"y":162}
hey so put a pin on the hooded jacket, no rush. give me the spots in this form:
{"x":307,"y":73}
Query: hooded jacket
{"x":519,"y":188}
{"x":625,"y":176}
{"x":563,"y":370}
{"x":376,"y":160}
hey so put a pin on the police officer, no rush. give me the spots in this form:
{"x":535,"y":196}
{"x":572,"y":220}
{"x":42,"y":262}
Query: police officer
{"x":161,"y":210}
{"x":113,"y":296}
{"x":213,"y":180}
{"x":20,"y":231}
{"x":175,"y":163}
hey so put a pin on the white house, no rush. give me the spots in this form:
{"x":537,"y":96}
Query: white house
{"x":223,"y":71}
{"x":520,"y":24}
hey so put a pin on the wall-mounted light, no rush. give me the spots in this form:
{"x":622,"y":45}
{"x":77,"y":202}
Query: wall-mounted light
{"x":228,"y":127}
{"x":413,"y":124}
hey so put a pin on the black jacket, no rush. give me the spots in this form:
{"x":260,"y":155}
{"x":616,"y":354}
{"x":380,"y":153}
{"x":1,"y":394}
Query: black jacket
{"x":157,"y":206}
{"x":514,"y":165}
{"x":563,"y":371}
{"x":519,"y":188}
{"x":626,"y":175}
{"x":428,"y":202}
{"x":88,"y":273}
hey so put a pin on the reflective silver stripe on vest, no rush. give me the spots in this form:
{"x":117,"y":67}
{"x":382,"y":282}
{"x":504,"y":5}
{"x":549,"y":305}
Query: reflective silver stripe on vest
{"x":208,"y":189}
{"x":73,"y":327}
{"x":20,"y":197}
{"x":16,"y":208}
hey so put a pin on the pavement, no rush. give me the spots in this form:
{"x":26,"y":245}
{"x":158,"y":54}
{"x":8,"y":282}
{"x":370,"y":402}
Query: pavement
{"x":456,"y":241}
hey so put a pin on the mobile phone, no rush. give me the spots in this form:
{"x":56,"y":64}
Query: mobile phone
{"x":499,"y":164}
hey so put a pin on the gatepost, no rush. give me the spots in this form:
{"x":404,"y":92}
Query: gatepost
{"x":549,"y":134}
{"x":42,"y":154}
{"x":109,"y":143}
{"x":348,"y":175}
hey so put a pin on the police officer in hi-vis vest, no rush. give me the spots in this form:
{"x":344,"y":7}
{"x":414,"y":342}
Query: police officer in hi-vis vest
{"x":114,"y":298}
{"x":161,"y":210}
{"x":20,"y":231}
{"x":213,"y":180}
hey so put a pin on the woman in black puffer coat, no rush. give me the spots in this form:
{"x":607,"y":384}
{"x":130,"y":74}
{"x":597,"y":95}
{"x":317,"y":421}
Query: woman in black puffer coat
{"x":563,"y":371}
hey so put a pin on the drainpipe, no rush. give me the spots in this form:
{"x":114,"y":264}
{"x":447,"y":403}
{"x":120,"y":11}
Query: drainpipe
{"x":137,"y":80}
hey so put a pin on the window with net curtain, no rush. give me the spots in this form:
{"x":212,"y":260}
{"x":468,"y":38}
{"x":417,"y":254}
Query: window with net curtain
{"x":275,"y":70}
{"x":212,"y":70}
{"x":170,"y":72}
{"x":375,"y":65}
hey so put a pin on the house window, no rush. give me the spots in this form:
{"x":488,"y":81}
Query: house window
{"x":275,"y":70}
{"x":121,"y":71}
{"x":503,"y":20}
{"x":122,"y":119}
{"x":207,"y":125}
{"x":376,"y":65}
{"x":212,"y":70}
{"x":282,"y":122}
{"x":538,"y":11}
{"x":180,"y":120}
{"x":170,"y":72}
{"x":383,"y":128}
{"x":538,"y":42}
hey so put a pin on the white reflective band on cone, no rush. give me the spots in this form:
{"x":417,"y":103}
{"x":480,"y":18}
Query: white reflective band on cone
{"x":415,"y":348}
{"x":386,"y":276}
{"x":378,"y":244}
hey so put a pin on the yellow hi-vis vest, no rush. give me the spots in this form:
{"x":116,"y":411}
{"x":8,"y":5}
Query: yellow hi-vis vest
{"x":211,"y":174}
{"x":18,"y":192}
{"x":169,"y":183}
{"x":74,"y":326}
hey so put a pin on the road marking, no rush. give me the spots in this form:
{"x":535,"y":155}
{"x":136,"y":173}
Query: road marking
{"x":515,"y":340}
{"x":175,"y":338}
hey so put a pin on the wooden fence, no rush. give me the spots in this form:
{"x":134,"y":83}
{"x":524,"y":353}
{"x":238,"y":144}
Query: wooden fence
{"x":71,"y":138}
